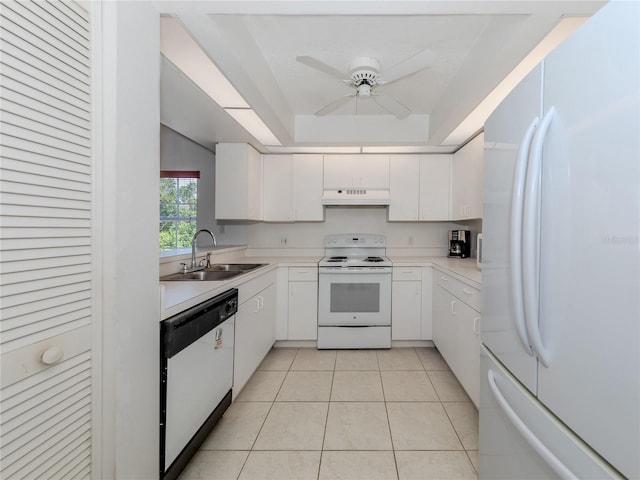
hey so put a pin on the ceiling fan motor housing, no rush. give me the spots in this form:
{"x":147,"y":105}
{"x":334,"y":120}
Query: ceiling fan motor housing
{"x":364,"y":72}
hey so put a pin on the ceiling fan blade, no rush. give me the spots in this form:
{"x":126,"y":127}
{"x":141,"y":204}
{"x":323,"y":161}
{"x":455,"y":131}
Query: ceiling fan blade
{"x":392,"y":106}
{"x":323,"y":67}
{"x":335,"y":105}
{"x":418,"y":61}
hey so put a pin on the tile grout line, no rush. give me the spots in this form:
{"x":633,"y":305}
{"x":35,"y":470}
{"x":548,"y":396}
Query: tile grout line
{"x":266,"y":416}
{"x":393,"y":447}
{"x":326,"y":419}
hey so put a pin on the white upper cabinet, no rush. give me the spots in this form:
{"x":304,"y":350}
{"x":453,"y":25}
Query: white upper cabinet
{"x":404,"y":186}
{"x":292,"y":188}
{"x":467,"y":180}
{"x":307,"y":188}
{"x":278,"y":188}
{"x":434,"y":187}
{"x":238,"y":182}
{"x":419,"y":187}
{"x":356,"y":171}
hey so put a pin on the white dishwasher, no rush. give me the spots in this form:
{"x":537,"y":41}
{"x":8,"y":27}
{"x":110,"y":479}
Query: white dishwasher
{"x":196,"y":377}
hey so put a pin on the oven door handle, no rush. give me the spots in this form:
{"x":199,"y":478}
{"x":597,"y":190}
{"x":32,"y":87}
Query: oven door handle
{"x":350,"y":326}
{"x":386,"y":270}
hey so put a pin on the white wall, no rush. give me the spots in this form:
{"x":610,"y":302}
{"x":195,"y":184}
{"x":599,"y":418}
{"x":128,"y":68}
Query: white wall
{"x":180,"y":153}
{"x":130,"y":210}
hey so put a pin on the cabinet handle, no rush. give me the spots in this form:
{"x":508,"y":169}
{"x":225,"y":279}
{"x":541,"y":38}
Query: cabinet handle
{"x":467,"y":291}
{"x":445,"y":279}
{"x":257,"y":305}
{"x":453,"y":307}
{"x":261,"y":302}
{"x":476,"y":325}
{"x":52,"y":355}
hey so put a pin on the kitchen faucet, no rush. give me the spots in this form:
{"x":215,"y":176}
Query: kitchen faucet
{"x":193,"y":245}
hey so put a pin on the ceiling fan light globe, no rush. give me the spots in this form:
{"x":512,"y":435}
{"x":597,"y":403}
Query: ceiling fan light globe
{"x":364,"y":90}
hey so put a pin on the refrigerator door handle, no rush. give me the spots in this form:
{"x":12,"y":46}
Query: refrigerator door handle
{"x":530,"y":237}
{"x":515,"y":248}
{"x":550,"y":459}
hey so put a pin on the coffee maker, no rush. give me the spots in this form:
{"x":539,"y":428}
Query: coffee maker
{"x":459,"y":243}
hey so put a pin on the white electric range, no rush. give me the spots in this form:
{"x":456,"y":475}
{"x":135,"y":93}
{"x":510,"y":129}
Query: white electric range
{"x":354,"y":293}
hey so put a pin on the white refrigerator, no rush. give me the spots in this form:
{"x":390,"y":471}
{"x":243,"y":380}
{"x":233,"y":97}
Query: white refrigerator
{"x":560,"y":361}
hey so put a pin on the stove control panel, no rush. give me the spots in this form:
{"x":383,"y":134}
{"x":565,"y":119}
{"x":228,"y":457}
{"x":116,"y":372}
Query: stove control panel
{"x":367,"y":240}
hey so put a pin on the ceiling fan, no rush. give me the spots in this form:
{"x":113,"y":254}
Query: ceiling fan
{"x":364,"y":76}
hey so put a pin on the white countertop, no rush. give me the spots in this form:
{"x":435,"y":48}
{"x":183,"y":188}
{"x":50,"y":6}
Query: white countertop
{"x":465,"y":267}
{"x":176,"y":297}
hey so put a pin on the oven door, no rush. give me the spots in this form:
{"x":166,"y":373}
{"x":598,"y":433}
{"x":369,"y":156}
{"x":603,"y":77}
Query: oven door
{"x":354,"y":297}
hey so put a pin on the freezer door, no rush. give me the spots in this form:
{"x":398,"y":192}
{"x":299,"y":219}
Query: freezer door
{"x":507,"y":135}
{"x":519,"y":439}
{"x":590,"y":223}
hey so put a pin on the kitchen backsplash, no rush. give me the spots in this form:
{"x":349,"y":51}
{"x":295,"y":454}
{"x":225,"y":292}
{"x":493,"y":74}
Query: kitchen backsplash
{"x":431,"y":236}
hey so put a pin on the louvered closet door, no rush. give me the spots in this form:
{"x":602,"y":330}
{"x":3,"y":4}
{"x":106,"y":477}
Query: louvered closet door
{"x":45,"y":241}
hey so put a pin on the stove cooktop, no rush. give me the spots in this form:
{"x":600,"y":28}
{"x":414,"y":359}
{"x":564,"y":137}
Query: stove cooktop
{"x":355,"y":250}
{"x":355,"y":260}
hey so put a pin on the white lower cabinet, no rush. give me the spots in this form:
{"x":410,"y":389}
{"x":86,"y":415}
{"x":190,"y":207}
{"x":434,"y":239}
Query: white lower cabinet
{"x":456,"y":330}
{"x":255,"y":327}
{"x":411,"y":303}
{"x":406,"y":303}
{"x":303,"y":303}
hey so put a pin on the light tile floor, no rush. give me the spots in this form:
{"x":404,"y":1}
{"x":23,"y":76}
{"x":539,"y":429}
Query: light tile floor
{"x":346,"y":414}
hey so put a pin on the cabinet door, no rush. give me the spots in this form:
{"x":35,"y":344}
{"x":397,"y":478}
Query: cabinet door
{"x":372,"y":171}
{"x":238,"y":182}
{"x":466,"y":366}
{"x":307,"y":188}
{"x":303,"y":310}
{"x":426,"y":330}
{"x":434,"y":187}
{"x":442,"y":328}
{"x":404,"y":185}
{"x":278,"y":185}
{"x":268,"y":308}
{"x":254,"y":185}
{"x":254,"y":335}
{"x":406,"y":310}
{"x":466,"y":180}
{"x":339,"y":171}
{"x":366,"y":171}
{"x":246,"y":339}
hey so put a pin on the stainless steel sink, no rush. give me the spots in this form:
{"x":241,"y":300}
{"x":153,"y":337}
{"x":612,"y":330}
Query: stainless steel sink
{"x":217,"y":272}
{"x":234,"y":267}
{"x":207,"y":275}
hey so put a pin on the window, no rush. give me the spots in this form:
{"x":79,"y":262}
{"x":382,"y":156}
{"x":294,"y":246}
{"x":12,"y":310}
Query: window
{"x":178,"y":209}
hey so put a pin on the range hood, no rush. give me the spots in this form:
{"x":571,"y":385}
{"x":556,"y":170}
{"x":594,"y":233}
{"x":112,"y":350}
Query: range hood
{"x":355,"y":196}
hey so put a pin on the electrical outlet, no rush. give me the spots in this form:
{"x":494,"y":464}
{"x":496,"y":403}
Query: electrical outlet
{"x":410,"y":240}
{"x":283,"y":240}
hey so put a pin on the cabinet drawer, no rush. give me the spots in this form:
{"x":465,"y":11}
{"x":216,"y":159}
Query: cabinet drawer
{"x":251,"y":288}
{"x":468,"y":294}
{"x":303,"y":274}
{"x":407,"y":274}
